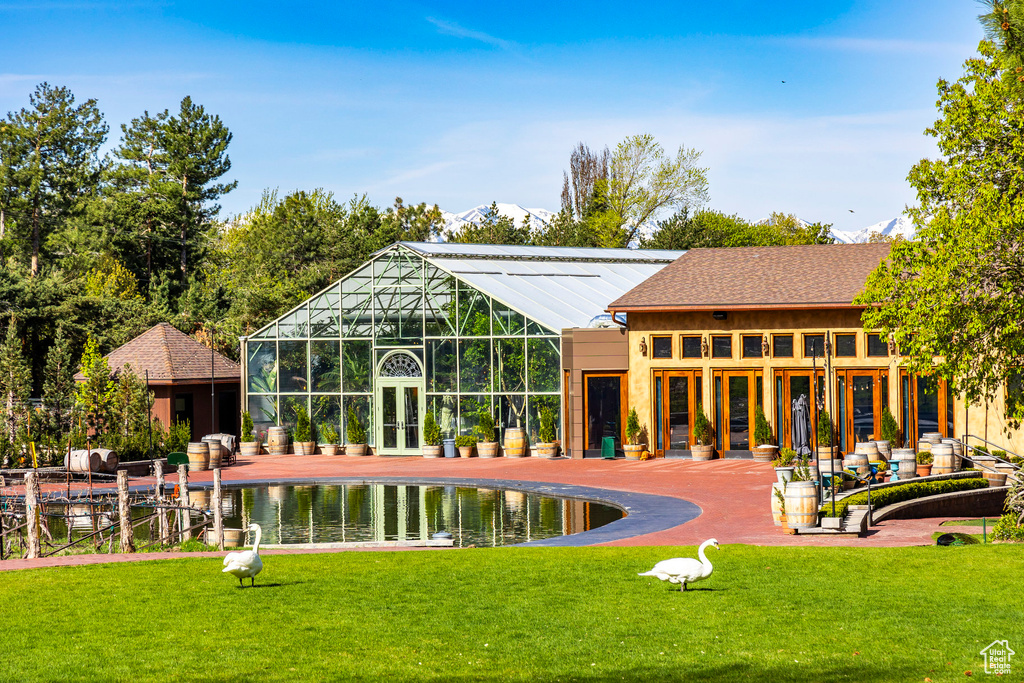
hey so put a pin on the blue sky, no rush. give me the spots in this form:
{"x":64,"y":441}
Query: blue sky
{"x":460,"y":104}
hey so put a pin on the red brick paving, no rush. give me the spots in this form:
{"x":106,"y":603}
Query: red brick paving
{"x":734,"y":496}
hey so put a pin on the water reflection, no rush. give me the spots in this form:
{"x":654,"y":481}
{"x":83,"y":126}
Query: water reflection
{"x":386,"y":512}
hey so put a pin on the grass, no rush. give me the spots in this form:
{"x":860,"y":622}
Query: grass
{"x":970,"y":522}
{"x":516,"y":614}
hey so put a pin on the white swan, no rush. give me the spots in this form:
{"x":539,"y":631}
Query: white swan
{"x":247,"y":563}
{"x":685,"y":570}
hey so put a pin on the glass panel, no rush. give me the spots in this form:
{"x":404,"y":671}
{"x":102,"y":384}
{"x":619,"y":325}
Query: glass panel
{"x":288,"y":406}
{"x":841,"y":410}
{"x":510,"y":364}
{"x":751,"y":346}
{"x":262,"y":367}
{"x":474,"y":312}
{"x":535,"y":329}
{"x":325,"y":365}
{"x":800,"y":413}
{"x":474,"y":365}
{"x":469,"y":412}
{"x":440,"y":304}
{"x":718,"y":412}
{"x":658,"y":417}
{"x":295,"y":324}
{"x":506,"y":321}
{"x":863,"y":408}
{"x":907,"y":411}
{"x":269,"y":333}
{"x":846,"y":345}
{"x":950,"y":409}
{"x":759,"y":391}
{"x":739,"y":413}
{"x":389,"y":416}
{"x":721,"y":347}
{"x":661,"y":347}
{"x":356,"y":312}
{"x":361,"y":404}
{"x":511,"y":412}
{"x":927,"y":407}
{"x":412,"y":417}
{"x":399,"y":315}
{"x":327,"y":411}
{"x":877,"y":346}
{"x":534,"y":404}
{"x":678,"y":413}
{"x":782,"y":346}
{"x":543,"y":360}
{"x":446,"y":415}
{"x":691,"y":347}
{"x":780,"y":412}
{"x":814,"y":345}
{"x":604,"y":411}
{"x":293,"y":366}
{"x":263,"y":410}
{"x":323,"y":314}
{"x":440,"y":363}
{"x":355,"y":371}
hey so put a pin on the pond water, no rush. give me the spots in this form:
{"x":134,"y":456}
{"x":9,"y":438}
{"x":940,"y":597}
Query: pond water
{"x":386,"y":512}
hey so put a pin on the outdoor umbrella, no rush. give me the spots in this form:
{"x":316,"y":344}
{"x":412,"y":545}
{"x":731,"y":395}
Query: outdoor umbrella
{"x":801,"y":430}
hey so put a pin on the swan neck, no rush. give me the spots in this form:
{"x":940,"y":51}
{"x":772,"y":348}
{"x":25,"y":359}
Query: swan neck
{"x":256,"y":545}
{"x":703,"y":558}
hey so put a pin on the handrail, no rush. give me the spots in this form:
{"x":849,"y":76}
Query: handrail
{"x":990,"y":443}
{"x":967,"y":447}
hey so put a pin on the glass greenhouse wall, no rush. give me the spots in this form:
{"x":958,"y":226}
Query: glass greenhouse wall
{"x":397,"y":337}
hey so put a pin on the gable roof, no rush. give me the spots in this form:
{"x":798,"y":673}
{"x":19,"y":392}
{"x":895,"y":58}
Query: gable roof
{"x":170,"y":356}
{"x":751,"y":278}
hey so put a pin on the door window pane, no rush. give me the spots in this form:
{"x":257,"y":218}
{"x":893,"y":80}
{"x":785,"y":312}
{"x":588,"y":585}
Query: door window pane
{"x":863,"y":408}
{"x":814,"y":345}
{"x":846,"y":345}
{"x":721,"y":347}
{"x":389,"y":416}
{"x":752,"y":346}
{"x":325,"y":366}
{"x":800,"y":413}
{"x":262,"y":367}
{"x":604,"y":410}
{"x":678,"y":413}
{"x":475,"y":365}
{"x":658,"y":417}
{"x":782,"y":345}
{"x":876,"y":346}
{"x":412,"y":417}
{"x":661,"y":347}
{"x":927,"y":407}
{"x":739,"y":413}
{"x":690,"y":347}
{"x":355,"y":365}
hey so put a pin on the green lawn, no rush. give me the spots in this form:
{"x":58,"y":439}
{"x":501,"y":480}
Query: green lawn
{"x":767,"y":614}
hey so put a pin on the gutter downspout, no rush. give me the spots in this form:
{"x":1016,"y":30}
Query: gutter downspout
{"x":625,"y":325}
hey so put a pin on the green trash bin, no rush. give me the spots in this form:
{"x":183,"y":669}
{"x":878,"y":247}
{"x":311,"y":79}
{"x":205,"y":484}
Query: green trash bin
{"x":608,"y":447}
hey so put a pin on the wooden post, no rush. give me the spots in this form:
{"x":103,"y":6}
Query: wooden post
{"x":161,"y":514}
{"x":124,"y":511}
{"x":32,"y":514}
{"x":186,"y":521}
{"x":218,"y":510}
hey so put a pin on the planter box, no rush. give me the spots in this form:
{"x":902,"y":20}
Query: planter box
{"x":329,"y":448}
{"x":304,"y":447}
{"x":702,"y":453}
{"x":764,"y":453}
{"x":632,"y":451}
{"x":924,"y":470}
{"x":432,"y":451}
{"x":545,"y":450}
{"x":487,"y":449}
{"x":249,"y":449}
{"x":356,"y":449}
{"x":465,"y":451}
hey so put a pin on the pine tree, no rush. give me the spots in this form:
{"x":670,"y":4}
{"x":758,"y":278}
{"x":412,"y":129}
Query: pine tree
{"x":59,"y":385}
{"x":95,"y":393}
{"x":15,"y":382}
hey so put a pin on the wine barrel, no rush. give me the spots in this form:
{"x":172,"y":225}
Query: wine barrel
{"x":907,"y":459}
{"x":925,"y":446}
{"x":932,"y":437}
{"x":884,"y":450}
{"x":801,"y":505}
{"x":108,"y":459}
{"x":83,"y":461}
{"x":198,"y":456}
{"x":216,"y":450}
{"x":776,"y":504}
{"x":858,"y":461}
{"x":515,"y":442}
{"x":943,"y":460}
{"x":867,"y":448}
{"x":277,"y":441}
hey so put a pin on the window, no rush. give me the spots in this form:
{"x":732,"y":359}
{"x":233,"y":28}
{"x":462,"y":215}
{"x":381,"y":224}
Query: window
{"x":690,"y":347}
{"x":814,"y":345}
{"x":661,"y":347}
{"x":752,"y":346}
{"x":782,"y":345}
{"x":846,"y":345}
{"x":876,"y":346}
{"x":721,"y":347}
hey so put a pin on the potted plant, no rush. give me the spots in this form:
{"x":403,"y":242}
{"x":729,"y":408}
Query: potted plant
{"x":356,"y":433}
{"x":249,"y":444}
{"x":632,"y":448}
{"x":702,"y":448}
{"x":764,"y":449}
{"x":825,"y":452}
{"x":924,"y":464}
{"x":783,"y":464}
{"x":891,"y":429}
{"x":305,"y":442}
{"x":431,"y":436}
{"x":465,"y":444}
{"x":546,"y":447}
{"x":486,"y":447}
{"x":328,"y":439}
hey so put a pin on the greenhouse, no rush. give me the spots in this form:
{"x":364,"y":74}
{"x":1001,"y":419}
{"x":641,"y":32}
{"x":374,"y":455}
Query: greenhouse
{"x":455,"y":329}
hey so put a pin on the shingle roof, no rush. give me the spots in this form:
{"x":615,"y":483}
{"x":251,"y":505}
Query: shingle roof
{"x":745,"y":278}
{"x":170,"y":356}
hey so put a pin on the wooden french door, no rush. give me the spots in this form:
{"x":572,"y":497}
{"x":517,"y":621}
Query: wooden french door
{"x":860,"y":395}
{"x":676,"y":395}
{"x":737,"y":393}
{"x":796,"y":418}
{"x":924,"y":408}
{"x":604,"y":404}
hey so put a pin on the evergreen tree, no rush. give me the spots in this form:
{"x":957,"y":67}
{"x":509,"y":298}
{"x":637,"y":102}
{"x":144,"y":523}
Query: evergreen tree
{"x":15,"y":382}
{"x":95,"y":393}
{"x":59,"y":385}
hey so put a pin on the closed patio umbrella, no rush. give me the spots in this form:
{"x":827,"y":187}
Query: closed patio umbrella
{"x":801,"y":425}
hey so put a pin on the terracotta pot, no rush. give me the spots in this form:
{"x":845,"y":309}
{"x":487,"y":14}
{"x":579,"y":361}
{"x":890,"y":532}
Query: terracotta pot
{"x":329,"y":448}
{"x":465,"y":451}
{"x":249,"y":449}
{"x":545,"y":450}
{"x":433,"y":451}
{"x":924,"y":470}
{"x":357,"y":449}
{"x":304,"y":447}
{"x":487,"y":449}
{"x":633,"y":451}
{"x":764,"y":453}
{"x":702,"y":453}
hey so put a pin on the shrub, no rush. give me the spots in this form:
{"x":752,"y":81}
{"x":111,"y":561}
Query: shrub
{"x":485,"y":424}
{"x":354,"y":426}
{"x":1007,"y":529}
{"x":762,"y":432}
{"x":465,"y":441}
{"x":890,"y":428}
{"x":981,"y":450}
{"x":179,"y":436}
{"x":897,"y":494}
{"x":701,"y":427}
{"x":785,"y":458}
{"x":547,"y":425}
{"x":431,"y":431}
{"x":924,"y":458}
{"x":328,"y":433}
{"x":999,"y":454}
{"x":247,"y":427}
{"x":632,"y":427}
{"x":824,"y":429}
{"x":303,"y":430}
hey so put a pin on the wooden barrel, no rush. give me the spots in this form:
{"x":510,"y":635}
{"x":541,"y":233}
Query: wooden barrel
{"x":776,"y":504}
{"x":108,"y":459}
{"x":925,"y":446}
{"x":995,"y":478}
{"x":884,"y":450}
{"x":198,"y":456}
{"x":943,"y":460}
{"x":932,"y":437}
{"x":277,"y":441}
{"x":858,"y":461}
{"x":216,"y":450}
{"x":83,"y":461}
{"x":801,"y":505}
{"x":907,"y":459}
{"x":515,"y":442}
{"x":199,"y":498}
{"x":868,"y":449}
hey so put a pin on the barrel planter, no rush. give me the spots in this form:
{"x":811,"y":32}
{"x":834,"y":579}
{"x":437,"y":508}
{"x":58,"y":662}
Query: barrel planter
{"x":801,"y":505}
{"x":108,"y":459}
{"x":702,"y":453}
{"x":304,"y":447}
{"x":216,"y":451}
{"x":1008,"y":469}
{"x":432,"y":451}
{"x":984,"y":463}
{"x":633,"y":451}
{"x":198,"y":456}
{"x":867,"y":449}
{"x":277,"y":440}
{"x":884,"y":449}
{"x":515,"y":442}
{"x":829,"y":465}
{"x":943,"y":460}
{"x":249,"y":449}
{"x":199,"y":498}
{"x":489,"y":449}
{"x":764,"y":453}
{"x":357,"y":449}
{"x":907,"y":460}
{"x":233,"y":538}
{"x":83,"y":461}
{"x":995,"y":478}
{"x":777,"y":504}
{"x":858,"y":461}
{"x":329,"y":448}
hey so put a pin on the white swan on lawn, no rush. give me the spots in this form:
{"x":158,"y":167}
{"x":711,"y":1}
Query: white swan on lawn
{"x":247,"y":563}
{"x":685,"y":570}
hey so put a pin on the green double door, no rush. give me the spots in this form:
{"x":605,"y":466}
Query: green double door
{"x":400,"y":405}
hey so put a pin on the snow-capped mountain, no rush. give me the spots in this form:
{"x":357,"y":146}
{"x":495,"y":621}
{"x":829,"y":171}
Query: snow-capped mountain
{"x":901,"y":226}
{"x":453,"y":221}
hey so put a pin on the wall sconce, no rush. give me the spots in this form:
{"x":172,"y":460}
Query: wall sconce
{"x":643,"y":346}
{"x":765,"y":348}
{"x":704,"y":346}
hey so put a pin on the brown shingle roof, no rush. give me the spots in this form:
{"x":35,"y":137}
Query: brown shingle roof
{"x":170,"y":356}
{"x":746,"y":278}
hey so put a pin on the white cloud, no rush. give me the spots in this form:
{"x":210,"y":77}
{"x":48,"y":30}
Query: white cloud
{"x":451,"y":28}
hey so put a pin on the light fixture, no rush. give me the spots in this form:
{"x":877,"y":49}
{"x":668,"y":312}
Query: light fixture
{"x":643,"y":346}
{"x":719,"y":315}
